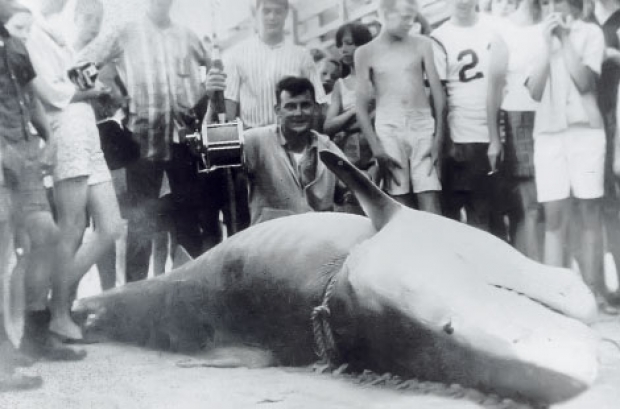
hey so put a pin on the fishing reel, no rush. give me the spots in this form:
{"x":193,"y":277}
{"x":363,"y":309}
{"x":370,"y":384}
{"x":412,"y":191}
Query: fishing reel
{"x":218,"y":146}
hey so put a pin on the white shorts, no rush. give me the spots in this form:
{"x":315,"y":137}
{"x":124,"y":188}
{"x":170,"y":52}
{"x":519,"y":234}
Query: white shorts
{"x":568,"y":162}
{"x":408,"y":138}
{"x":78,"y":149}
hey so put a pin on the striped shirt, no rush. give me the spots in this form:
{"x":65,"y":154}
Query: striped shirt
{"x":254,"y":69}
{"x":160,"y":68}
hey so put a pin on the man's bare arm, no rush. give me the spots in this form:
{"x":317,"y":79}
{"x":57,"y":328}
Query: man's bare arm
{"x":232,"y":110}
{"x":439,"y":99}
{"x":582,"y":75}
{"x":497,"y":78}
{"x":537,"y":80}
{"x":335,"y":120}
{"x":38,"y":117}
{"x":363,"y":97}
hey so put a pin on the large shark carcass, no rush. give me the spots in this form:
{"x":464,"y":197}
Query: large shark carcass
{"x":407,"y":292}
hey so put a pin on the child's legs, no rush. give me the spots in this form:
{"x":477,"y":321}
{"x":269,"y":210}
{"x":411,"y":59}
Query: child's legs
{"x":452,"y":199}
{"x":553,"y":189}
{"x":36,"y":232}
{"x":524,"y":219}
{"x":429,"y":202}
{"x":424,"y":177}
{"x":406,"y":200}
{"x":592,"y":244}
{"x":161,"y":249}
{"x":586,"y":155}
{"x":6,"y":233}
{"x":39,"y":234}
{"x":71,"y":197}
{"x":103,"y":208}
{"x":556,"y":227}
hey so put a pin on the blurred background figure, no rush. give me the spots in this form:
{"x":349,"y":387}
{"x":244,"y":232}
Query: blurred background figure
{"x":162,"y":100}
{"x":330,"y":71}
{"x":521,"y":33}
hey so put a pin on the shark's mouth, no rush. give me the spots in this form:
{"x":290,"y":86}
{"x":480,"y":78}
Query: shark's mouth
{"x":410,"y":355}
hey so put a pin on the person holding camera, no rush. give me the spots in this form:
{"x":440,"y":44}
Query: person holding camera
{"x":82,"y":181}
{"x":569,"y":134}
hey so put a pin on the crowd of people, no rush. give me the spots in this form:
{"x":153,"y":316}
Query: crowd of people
{"x":502,"y":117}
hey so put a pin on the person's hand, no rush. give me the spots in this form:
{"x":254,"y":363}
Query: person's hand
{"x":98,"y":90}
{"x":551,"y":28}
{"x":435,"y":158}
{"x":494,"y":153}
{"x":613,"y":55}
{"x":560,"y":25}
{"x":616,"y":162}
{"x":48,"y":157}
{"x":387,"y":166}
{"x":215,"y":81}
{"x":101,"y":88}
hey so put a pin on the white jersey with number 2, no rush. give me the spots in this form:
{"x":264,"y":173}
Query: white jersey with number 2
{"x":462,"y":61}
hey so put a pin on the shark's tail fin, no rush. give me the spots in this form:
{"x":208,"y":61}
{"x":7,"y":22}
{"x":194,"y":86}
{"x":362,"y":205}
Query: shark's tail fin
{"x":377,"y":204}
{"x":160,"y":313}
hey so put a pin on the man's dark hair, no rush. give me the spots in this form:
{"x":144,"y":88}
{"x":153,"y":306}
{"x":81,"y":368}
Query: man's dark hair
{"x":317,"y":55}
{"x":295,"y":86}
{"x":359,"y":32}
{"x":576,"y":5}
{"x":258,"y":3}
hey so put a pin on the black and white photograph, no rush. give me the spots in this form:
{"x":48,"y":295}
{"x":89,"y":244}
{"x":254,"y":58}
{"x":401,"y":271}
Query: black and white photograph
{"x":300,"y":204}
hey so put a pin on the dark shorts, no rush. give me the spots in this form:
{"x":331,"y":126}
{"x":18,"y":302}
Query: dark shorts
{"x":468,"y":185}
{"x":23,"y":193}
{"x":519,"y":152}
{"x":466,"y":167}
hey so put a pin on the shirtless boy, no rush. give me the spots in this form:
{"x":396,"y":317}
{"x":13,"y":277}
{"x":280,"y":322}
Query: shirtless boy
{"x":407,"y":140}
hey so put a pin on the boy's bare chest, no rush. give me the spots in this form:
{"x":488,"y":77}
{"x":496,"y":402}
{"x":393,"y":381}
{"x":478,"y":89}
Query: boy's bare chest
{"x":398,"y":61}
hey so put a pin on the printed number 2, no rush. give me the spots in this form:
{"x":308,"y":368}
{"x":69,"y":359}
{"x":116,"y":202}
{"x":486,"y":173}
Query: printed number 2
{"x":464,"y":74}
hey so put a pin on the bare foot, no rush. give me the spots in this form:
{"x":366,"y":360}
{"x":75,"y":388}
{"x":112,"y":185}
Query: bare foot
{"x":64,"y":327}
{"x":10,"y":381}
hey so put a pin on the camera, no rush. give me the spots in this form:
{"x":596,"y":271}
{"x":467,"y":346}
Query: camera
{"x":84,"y":75}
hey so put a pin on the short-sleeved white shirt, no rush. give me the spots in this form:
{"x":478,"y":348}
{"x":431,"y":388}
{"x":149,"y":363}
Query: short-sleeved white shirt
{"x":51,"y":57}
{"x":589,"y":43}
{"x":462,"y":58}
{"x":254,"y":69}
{"x":523,"y":43}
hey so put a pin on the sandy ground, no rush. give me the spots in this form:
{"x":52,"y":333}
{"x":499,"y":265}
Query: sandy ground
{"x":120,"y":376}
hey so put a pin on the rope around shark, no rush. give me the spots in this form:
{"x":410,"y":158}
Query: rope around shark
{"x":330,"y":362}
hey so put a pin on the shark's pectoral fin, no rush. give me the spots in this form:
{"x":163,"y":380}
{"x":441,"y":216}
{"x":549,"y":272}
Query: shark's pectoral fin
{"x":231,"y":357}
{"x":377,"y":204}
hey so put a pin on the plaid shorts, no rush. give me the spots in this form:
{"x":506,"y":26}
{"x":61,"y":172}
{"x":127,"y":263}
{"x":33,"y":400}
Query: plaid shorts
{"x":519,"y":155}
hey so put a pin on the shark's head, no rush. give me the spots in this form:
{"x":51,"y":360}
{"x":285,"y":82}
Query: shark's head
{"x":450,"y":303}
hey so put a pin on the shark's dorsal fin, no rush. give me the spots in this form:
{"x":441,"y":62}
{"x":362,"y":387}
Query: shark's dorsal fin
{"x":377,"y":204}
